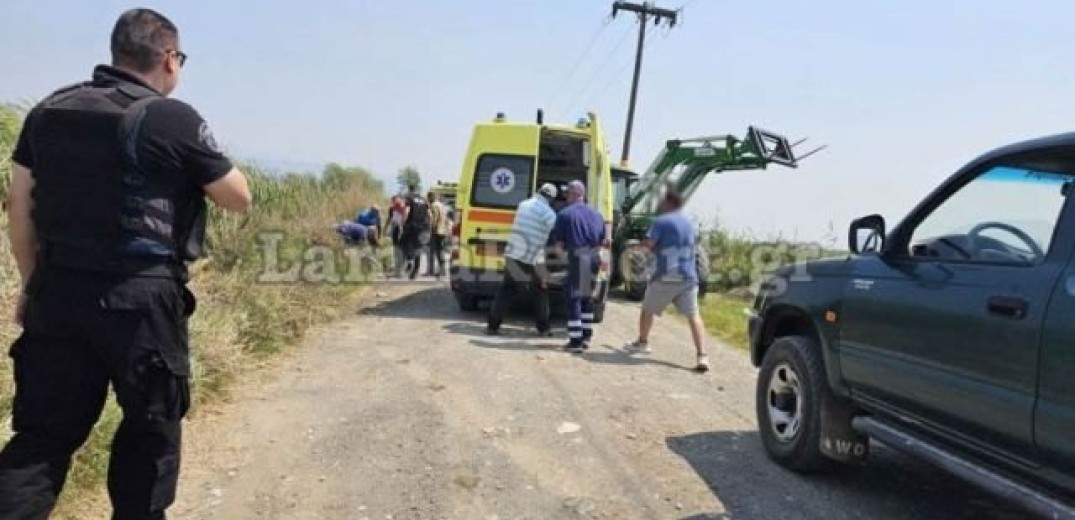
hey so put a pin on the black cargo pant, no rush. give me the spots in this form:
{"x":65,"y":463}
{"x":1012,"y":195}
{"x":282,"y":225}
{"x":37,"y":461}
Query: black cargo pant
{"x":81,"y":332}
{"x":517,"y":278}
{"x":413,"y":241}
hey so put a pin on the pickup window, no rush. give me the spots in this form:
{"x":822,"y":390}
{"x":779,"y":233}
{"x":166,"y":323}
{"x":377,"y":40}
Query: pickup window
{"x":502,"y":181}
{"x":1005,"y":215}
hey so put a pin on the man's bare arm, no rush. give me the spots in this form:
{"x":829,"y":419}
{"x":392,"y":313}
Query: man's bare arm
{"x":21,"y":232}
{"x":230,"y":192}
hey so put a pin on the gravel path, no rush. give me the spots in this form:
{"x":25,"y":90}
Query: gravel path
{"x":407,"y":411}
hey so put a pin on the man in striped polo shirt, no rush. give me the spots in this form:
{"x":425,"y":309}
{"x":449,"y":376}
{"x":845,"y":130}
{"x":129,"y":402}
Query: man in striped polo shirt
{"x":534,"y":220}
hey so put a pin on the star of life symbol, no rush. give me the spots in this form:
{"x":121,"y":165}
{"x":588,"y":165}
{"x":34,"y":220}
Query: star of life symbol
{"x":503,"y":180}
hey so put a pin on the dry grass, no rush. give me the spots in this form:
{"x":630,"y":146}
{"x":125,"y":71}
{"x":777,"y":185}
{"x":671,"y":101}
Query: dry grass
{"x":238,"y":321}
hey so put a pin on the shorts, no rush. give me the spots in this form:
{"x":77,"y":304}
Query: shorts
{"x":661,"y":293}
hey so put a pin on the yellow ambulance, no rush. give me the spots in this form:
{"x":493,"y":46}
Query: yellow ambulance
{"x":504,"y":165}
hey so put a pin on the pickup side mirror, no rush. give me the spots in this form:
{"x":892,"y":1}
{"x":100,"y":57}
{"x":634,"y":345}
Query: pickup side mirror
{"x":867,"y":234}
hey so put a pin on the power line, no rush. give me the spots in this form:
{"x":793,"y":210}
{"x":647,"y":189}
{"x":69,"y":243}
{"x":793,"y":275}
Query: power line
{"x":597,"y":72}
{"x":613,"y":78}
{"x":574,"y":68}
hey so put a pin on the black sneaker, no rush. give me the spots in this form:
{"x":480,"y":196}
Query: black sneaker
{"x":492,"y":331}
{"x":575,"y":348}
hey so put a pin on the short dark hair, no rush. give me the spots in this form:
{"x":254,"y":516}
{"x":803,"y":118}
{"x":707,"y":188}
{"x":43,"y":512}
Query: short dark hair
{"x":140,"y":38}
{"x":673,"y":197}
{"x":413,"y":188}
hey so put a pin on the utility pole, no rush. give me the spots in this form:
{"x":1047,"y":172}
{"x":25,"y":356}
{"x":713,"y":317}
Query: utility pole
{"x":644,"y":12}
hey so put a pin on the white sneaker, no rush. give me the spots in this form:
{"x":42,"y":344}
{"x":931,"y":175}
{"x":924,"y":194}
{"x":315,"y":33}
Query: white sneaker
{"x":637,"y":347}
{"x":703,"y":364}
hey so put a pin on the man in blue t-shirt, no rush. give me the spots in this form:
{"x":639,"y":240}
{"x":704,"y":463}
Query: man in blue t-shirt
{"x":371,"y":220}
{"x":580,"y":231}
{"x":675,"y":278}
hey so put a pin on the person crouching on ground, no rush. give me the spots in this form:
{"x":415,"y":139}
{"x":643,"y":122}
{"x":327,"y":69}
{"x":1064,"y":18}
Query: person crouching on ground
{"x":524,"y":257}
{"x":675,"y":277}
{"x":371,"y":220}
{"x":580,"y":231}
{"x":353,"y":233}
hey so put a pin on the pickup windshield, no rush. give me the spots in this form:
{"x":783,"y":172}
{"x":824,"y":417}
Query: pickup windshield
{"x":1007,"y":214}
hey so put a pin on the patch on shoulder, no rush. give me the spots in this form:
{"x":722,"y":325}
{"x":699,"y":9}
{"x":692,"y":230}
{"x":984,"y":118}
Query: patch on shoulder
{"x":206,"y":137}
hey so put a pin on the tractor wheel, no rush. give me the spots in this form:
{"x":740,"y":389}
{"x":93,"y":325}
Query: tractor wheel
{"x":636,"y":291}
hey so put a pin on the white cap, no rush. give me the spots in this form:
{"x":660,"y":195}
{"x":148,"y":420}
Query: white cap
{"x":548,"y":190}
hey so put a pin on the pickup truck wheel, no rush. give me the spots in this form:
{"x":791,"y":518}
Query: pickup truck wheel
{"x":791,"y":388}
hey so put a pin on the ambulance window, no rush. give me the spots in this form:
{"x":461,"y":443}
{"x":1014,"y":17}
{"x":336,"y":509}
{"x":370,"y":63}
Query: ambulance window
{"x":502,"y":181}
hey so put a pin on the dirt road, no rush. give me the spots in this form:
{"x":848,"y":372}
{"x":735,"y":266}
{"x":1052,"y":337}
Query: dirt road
{"x":409,"y":411}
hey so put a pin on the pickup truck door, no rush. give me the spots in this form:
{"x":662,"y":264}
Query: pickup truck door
{"x":1054,"y":417}
{"x":943,"y":329}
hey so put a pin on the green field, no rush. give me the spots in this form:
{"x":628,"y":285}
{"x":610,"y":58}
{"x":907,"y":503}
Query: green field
{"x":724,"y":318}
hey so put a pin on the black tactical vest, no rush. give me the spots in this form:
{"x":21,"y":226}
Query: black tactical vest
{"x":95,"y":207}
{"x":419,"y":218}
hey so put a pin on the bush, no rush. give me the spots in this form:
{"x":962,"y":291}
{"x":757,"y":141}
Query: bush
{"x":738,"y":261}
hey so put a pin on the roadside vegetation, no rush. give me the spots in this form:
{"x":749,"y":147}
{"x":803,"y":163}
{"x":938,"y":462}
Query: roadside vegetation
{"x":239,"y":322}
{"x":738,"y":263}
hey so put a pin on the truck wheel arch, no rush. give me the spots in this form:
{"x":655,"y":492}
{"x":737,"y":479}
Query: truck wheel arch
{"x":780,"y":321}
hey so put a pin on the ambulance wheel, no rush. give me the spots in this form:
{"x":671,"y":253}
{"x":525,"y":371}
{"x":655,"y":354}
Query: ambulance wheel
{"x":636,"y":291}
{"x":467,"y":302}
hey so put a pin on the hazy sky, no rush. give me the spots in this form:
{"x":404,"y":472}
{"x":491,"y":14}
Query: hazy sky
{"x":903,"y":92}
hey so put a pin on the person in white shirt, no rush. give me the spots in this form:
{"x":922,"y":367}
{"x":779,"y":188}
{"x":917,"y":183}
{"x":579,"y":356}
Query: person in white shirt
{"x":534,"y":220}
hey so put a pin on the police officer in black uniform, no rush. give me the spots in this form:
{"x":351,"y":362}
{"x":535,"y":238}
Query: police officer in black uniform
{"x":107,"y":206}
{"x":416,"y":230}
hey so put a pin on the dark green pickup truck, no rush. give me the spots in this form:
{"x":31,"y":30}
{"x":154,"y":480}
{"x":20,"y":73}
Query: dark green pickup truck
{"x":951,"y":337}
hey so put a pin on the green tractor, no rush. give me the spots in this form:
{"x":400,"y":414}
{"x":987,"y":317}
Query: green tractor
{"x":683,"y":165}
